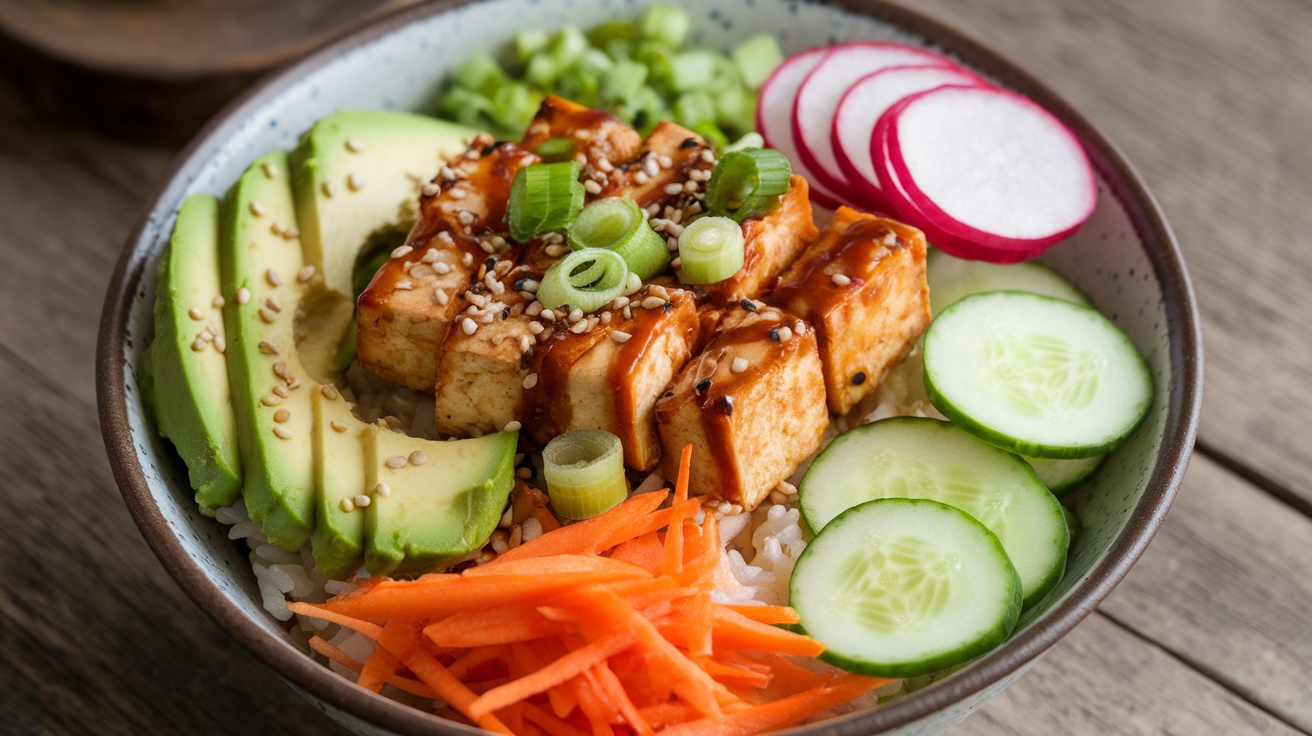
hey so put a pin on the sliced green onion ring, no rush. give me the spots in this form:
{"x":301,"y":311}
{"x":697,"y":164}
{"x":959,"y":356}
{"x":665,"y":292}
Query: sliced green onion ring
{"x":584,"y":469}
{"x":587,"y":279}
{"x":543,"y":197}
{"x":555,"y":149}
{"x":747,"y":183}
{"x":710,"y":250}
{"x":617,"y":224}
{"x":749,"y":140}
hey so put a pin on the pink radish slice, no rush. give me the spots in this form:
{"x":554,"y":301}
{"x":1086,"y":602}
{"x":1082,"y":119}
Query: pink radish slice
{"x":774,"y":114}
{"x":990,"y":167}
{"x":862,"y":104}
{"x":911,"y":214}
{"x":820,"y":92}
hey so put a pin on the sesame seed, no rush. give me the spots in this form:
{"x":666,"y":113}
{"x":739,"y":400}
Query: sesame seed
{"x":268,"y":348}
{"x":196,"y":313}
{"x":628,"y":312}
{"x":512,"y":426}
{"x":281,"y":391}
{"x":270,"y":171}
{"x":840,"y":279}
{"x":198,"y":345}
{"x":402,"y":251}
{"x":672,"y":244}
{"x":530,"y":380}
{"x":218,"y":301}
{"x":354,"y":183}
{"x":703,"y":386}
{"x":575,"y":315}
{"x":275,"y":228}
{"x":346,"y":506}
{"x":272,"y":305}
{"x":272,"y":277}
{"x":293,"y":383}
{"x":620,"y":336}
{"x":633,"y":284}
{"x":770,"y":316}
{"x":532,"y":529}
{"x":777,"y":498}
{"x":496,"y":287}
{"x":257,"y":208}
{"x":524,"y":473}
{"x":281,"y":416}
{"x":466,"y":217}
{"x":653,"y":302}
{"x":338,"y":425}
{"x":280,"y":370}
{"x":858,"y":378}
{"x":659,"y":291}
{"x":418,"y":271}
{"x":641,"y":177}
{"x":785,"y":334}
{"x":456,"y":193}
{"x":477,"y":300}
{"x":673,"y":189}
{"x":431,"y":256}
{"x":440,"y":297}
{"x":535,"y":327}
{"x":674,"y":229}
{"x":739,"y":365}
{"x":362,"y":501}
{"x":665,"y":161}
{"x":525,"y":342}
{"x":442,"y":268}
{"x":429,"y":189}
{"x":726,"y":405}
{"x":305,"y":274}
{"x":708,"y":156}
{"x":578,"y":328}
{"x":591,"y":187}
{"x":606,"y":317}
{"x":404,"y":285}
{"x":283,"y":433}
{"x":384,"y":490}
{"x":651,"y":168}
{"x":243,"y":295}
{"x":548,"y":314}
{"x":467,"y":259}
{"x":267,"y":316}
{"x":220,"y":345}
{"x":488,"y":317}
{"x":446,"y":172}
{"x":354,"y":146}
{"x":799,"y":327}
{"x":468,"y":326}
{"x":271,"y":400}
{"x":396,"y":462}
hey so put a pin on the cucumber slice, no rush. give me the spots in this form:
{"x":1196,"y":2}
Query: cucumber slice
{"x":1061,"y":476}
{"x":901,"y":587}
{"x":910,"y":457}
{"x":952,"y":279}
{"x":1035,"y":375}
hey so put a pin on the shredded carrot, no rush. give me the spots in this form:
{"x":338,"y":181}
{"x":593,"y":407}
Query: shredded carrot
{"x":673,"y":560}
{"x":736,"y":631}
{"x":767,"y":614}
{"x":406,"y":645}
{"x":379,"y":667}
{"x":414,"y":687}
{"x":548,"y":721}
{"x":571,"y":665}
{"x":369,"y":629}
{"x":502,"y":625}
{"x":587,"y":536}
{"x":646,"y":551}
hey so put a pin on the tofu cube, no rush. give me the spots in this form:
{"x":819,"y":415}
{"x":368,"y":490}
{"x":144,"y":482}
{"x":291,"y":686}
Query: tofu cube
{"x":611,"y":377}
{"x":480,"y":378}
{"x":670,"y":153}
{"x":862,"y":284}
{"x":752,"y":405}
{"x":770,"y":244}
{"x":597,"y":134}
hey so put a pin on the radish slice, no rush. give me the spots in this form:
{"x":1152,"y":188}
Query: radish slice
{"x":774,"y":114}
{"x":862,"y":104}
{"x":820,"y":92}
{"x":989,"y":167}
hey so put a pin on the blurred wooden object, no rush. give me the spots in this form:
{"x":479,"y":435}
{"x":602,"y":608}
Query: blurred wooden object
{"x":156,"y":70}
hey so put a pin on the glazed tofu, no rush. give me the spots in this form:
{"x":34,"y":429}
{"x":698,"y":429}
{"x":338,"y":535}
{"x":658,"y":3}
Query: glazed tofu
{"x":862,"y":284}
{"x":404,"y":315}
{"x":669,"y":155}
{"x":752,"y":405}
{"x":770,"y":244}
{"x":597,"y":135}
{"x":611,"y":377}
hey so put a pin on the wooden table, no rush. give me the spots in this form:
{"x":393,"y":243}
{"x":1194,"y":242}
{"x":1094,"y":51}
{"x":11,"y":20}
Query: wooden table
{"x":1211,"y":632}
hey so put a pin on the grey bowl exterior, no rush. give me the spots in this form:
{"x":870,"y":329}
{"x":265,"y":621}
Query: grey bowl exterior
{"x":1125,"y":258}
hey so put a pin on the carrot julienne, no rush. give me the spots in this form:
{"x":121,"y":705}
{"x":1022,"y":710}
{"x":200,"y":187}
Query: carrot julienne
{"x":603,"y":624}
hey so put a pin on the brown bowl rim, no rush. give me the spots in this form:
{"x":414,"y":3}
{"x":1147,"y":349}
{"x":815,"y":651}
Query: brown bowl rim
{"x":1184,"y":399}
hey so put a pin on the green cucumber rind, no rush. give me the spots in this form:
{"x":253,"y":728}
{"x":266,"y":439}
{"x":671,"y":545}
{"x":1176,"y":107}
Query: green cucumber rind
{"x":1064,"y":486}
{"x":936,"y":259}
{"x":1024,"y":447}
{"x":984,"y":644}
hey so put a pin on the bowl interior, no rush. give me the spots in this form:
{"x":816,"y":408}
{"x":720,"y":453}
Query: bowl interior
{"x":402,"y":69}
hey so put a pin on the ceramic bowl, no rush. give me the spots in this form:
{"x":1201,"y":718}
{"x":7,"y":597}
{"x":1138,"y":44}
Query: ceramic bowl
{"x":1125,"y":259}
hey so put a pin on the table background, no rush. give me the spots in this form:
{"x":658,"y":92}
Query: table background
{"x":1210,"y":633}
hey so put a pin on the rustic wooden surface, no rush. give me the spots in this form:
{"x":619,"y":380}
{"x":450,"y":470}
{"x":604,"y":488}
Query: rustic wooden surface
{"x":1209,"y":634}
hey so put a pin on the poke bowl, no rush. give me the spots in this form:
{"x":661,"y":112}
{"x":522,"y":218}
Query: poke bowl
{"x":1118,"y":258}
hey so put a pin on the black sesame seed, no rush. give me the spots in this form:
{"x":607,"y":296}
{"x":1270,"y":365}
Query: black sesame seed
{"x":489,"y":149}
{"x":859,"y":378}
{"x":490,"y":262}
{"x":726,"y":405}
{"x":505,"y":313}
{"x":774,"y":334}
{"x":689,"y":143}
{"x":519,"y":283}
{"x":667,"y":394}
{"x":704,"y":385}
{"x":748,"y":304}
{"x":668,"y":307}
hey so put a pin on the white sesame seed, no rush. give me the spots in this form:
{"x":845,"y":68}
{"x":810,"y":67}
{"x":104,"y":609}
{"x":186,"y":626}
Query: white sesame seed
{"x":672,"y":189}
{"x":690,"y":186}
{"x":198,"y":345}
{"x":338,"y":425}
{"x":468,"y":326}
{"x":392,"y":422}
{"x":272,"y":305}
{"x":271,"y":400}
{"x":525,"y":342}
{"x":530,"y":380}
{"x":512,"y":426}
{"x":467,"y":259}
{"x":777,"y":498}
{"x":404,"y":285}
{"x":354,"y":183}
{"x":524,"y":473}
{"x":575,"y":314}
{"x":653,"y":302}
{"x":466,"y":217}
{"x":799,"y":327}
{"x":283,"y":433}
{"x":708,"y":156}
{"x":658,"y":290}
{"x":456,"y":193}
{"x":329,"y":392}
{"x":293,"y":383}
{"x":196,"y":313}
{"x":769,"y":316}
{"x":305,"y":274}
{"x":362,"y":501}
{"x":402,"y":251}
{"x":674,"y":229}
{"x":651,"y":168}
{"x":641,"y":178}
{"x":354,"y":146}
{"x":785,"y":334}
{"x":257,"y":208}
{"x":633,"y":284}
{"x":628,"y":312}
{"x":440,"y":297}
{"x":396,"y":462}
{"x":488,"y":317}
{"x":346,"y":506}
{"x":268,"y":348}
{"x":281,"y":416}
{"x":554,"y":251}
{"x":672,"y":244}
{"x":432,"y":255}
{"x":496,"y":287}
{"x":270,"y":171}
{"x":281,"y":391}
{"x":739,"y":365}
{"x":578,"y":328}
{"x":429,"y":189}
{"x":620,"y":336}
{"x":532,"y":528}
{"x":548,"y":314}
{"x":220,"y":345}
{"x":676,"y":263}
{"x":591,"y":187}
{"x":266,"y":316}
{"x":606,"y":317}
{"x":383,"y":490}
{"x":536,"y":328}
{"x":840,"y":279}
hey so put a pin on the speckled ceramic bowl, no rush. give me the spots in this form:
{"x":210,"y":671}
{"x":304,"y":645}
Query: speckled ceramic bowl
{"x":1124,"y":258}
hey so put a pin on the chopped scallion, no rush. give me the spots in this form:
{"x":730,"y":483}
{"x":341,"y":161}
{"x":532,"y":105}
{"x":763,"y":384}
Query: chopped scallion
{"x":623,"y":82}
{"x":692,"y":70}
{"x":584,"y":469}
{"x":617,"y":224}
{"x":665,"y":23}
{"x":747,"y":183}
{"x":530,"y":42}
{"x":710,"y":250}
{"x":750,"y":140}
{"x":588,"y":279}
{"x":480,"y":73}
{"x":555,"y":149}
{"x":543,"y":197}
{"x":756,"y":58}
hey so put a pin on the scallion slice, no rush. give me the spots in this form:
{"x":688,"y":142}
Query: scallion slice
{"x":587,"y":279}
{"x":665,"y":23}
{"x":543,"y":197}
{"x":617,"y":224}
{"x":710,"y":250}
{"x":555,"y":149}
{"x":747,"y":183}
{"x":584,"y":469}
{"x":749,"y":140}
{"x":756,"y":58}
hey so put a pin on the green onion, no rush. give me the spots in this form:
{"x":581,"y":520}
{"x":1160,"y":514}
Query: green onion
{"x":465,"y":107}
{"x":568,"y":44}
{"x":658,"y":59}
{"x":514,"y":105}
{"x":623,"y":82}
{"x":712,"y":133}
{"x":543,"y":70}
{"x":756,"y":58}
{"x":587,"y":279}
{"x":584,"y":469}
{"x":530,"y":42}
{"x":612,"y":30}
{"x":665,"y":23}
{"x":747,"y":183}
{"x":480,"y":73}
{"x":710,"y":250}
{"x":617,"y":224}
{"x":543,"y":197}
{"x":594,"y":62}
{"x":735,"y":109}
{"x":694,"y":107}
{"x":645,"y":110}
{"x":749,"y":140}
{"x":692,"y":70}
{"x":555,"y":149}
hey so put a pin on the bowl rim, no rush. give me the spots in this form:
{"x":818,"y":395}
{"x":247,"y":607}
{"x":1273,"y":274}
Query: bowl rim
{"x":1184,"y":396}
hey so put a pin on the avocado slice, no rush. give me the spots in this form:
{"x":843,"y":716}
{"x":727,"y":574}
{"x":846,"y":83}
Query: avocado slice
{"x":189,"y":376}
{"x":261,"y":276}
{"x":434,"y":513}
{"x":356,"y":173}
{"x":339,"y":476}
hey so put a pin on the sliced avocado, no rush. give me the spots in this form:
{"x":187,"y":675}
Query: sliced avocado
{"x":339,"y":476}
{"x":189,"y":376}
{"x":357,"y":172}
{"x":260,"y":267}
{"x":436,"y":512}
